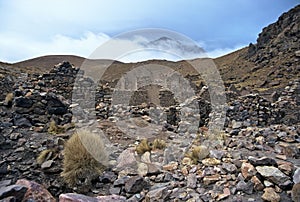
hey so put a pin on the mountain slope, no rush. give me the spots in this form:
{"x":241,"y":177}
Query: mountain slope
{"x":269,"y":64}
{"x":45,"y":63}
{"x":263,"y":67}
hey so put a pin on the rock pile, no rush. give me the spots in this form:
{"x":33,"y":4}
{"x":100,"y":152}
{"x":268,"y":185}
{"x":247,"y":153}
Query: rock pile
{"x":244,"y":170}
{"x":255,"y":110}
{"x":256,"y":159}
{"x":38,"y":99}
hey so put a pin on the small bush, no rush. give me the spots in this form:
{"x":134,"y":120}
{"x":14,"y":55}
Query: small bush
{"x":216,"y":137}
{"x":9,"y":99}
{"x":85,"y":158}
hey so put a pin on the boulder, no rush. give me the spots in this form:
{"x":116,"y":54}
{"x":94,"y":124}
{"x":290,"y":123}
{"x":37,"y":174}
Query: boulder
{"x":273,"y":174}
{"x":35,"y":191}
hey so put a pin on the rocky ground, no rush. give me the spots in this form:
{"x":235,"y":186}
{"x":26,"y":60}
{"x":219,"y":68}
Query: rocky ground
{"x":255,"y":157}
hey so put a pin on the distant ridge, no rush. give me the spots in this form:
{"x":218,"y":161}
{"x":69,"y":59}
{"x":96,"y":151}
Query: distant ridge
{"x":264,"y":67}
{"x":47,"y":62}
{"x":43,"y":64}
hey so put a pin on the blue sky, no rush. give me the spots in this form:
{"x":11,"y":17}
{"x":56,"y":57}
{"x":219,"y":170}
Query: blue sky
{"x":31,"y":28}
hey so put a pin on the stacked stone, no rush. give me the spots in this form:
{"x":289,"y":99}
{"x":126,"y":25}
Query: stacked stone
{"x":37,"y":109}
{"x":103,"y":99}
{"x":258,"y":161}
{"x":253,"y":110}
{"x":289,"y":103}
{"x":166,"y":98}
{"x":41,"y":98}
{"x":6,"y":84}
{"x":60,"y":78}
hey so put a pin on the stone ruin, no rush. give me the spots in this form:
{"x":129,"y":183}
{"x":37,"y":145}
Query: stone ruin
{"x":38,"y":99}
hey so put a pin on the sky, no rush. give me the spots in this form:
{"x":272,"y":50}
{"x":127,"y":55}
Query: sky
{"x":32,"y":28}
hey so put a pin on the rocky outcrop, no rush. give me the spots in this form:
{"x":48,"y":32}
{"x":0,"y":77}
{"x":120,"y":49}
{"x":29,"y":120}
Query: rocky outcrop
{"x":278,"y":38}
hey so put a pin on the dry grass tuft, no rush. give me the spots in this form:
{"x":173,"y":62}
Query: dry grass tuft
{"x":197,"y":153}
{"x":85,"y":158}
{"x":9,"y":99}
{"x":55,"y":129}
{"x":143,"y":147}
{"x":146,"y":146}
{"x":159,"y":144}
{"x":45,"y":155}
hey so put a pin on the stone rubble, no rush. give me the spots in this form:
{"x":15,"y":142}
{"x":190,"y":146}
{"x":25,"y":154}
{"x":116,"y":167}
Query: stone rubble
{"x":258,"y":159}
{"x":255,"y":157}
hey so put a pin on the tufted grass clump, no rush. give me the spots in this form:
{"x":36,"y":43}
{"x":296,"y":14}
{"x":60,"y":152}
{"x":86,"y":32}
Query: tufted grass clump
{"x":218,"y":137}
{"x":45,"y":155}
{"x":158,"y":144}
{"x":9,"y":99}
{"x":55,"y":129}
{"x":85,"y":158}
{"x":143,"y":147}
{"x":147,"y":146}
{"x":197,"y":153}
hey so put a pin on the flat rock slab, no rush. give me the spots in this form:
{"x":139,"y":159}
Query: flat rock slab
{"x":273,"y":174}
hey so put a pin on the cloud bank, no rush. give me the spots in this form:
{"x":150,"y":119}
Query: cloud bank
{"x":33,"y":28}
{"x":16,"y":50}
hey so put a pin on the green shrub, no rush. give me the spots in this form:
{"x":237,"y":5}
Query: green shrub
{"x":55,"y":129}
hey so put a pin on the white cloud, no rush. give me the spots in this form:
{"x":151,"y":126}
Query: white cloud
{"x":138,"y":46}
{"x":142,"y":55}
{"x":16,"y":48}
{"x":95,"y":46}
{"x":126,"y":50}
{"x":31,"y":28}
{"x":223,"y":51}
{"x":48,"y":17}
